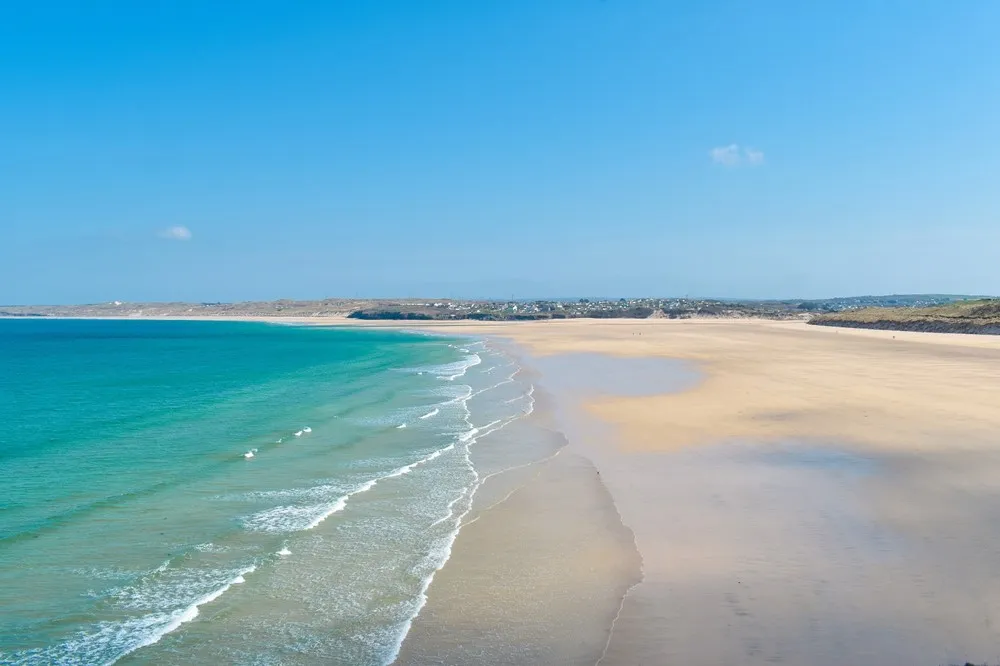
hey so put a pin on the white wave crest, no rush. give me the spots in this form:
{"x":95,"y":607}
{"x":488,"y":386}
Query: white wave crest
{"x":292,"y":518}
{"x":452,"y":371}
{"x":110,"y":641}
{"x":295,"y":518}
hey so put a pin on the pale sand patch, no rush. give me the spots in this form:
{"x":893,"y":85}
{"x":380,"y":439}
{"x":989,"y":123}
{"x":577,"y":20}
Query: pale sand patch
{"x":774,"y":380}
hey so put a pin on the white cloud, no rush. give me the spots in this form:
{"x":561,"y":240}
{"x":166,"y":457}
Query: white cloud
{"x":753,"y":156}
{"x":736,"y":155}
{"x":176,"y":233}
{"x":727,"y":155}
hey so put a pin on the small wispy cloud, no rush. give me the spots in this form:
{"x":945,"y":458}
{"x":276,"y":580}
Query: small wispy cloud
{"x":176,"y":233}
{"x":753,"y":156}
{"x":736,"y":155}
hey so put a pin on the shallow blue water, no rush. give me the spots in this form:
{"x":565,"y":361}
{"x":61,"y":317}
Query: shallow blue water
{"x":135,"y":527}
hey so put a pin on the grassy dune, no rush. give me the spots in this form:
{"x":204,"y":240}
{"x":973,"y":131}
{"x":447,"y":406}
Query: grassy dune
{"x":979,"y":316}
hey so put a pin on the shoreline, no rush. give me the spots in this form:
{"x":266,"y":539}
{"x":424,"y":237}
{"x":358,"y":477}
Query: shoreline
{"x":543,"y":551}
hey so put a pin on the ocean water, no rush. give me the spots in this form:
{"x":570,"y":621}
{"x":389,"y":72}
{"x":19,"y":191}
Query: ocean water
{"x":136,"y":528}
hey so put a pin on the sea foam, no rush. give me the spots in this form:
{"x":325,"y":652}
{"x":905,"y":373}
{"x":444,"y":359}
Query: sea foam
{"x":295,"y":518}
{"x":452,"y":371}
{"x":110,"y":641}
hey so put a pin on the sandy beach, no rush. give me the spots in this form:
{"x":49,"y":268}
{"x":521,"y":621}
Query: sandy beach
{"x":708,"y":492}
{"x":797,"y":495}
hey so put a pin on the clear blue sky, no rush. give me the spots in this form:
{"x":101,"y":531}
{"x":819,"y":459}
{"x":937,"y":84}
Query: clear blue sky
{"x":199,"y":150}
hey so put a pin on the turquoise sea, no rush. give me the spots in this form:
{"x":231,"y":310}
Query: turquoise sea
{"x":136,"y":528}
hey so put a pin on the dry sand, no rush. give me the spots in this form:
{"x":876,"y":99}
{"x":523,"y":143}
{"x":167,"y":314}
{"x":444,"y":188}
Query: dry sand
{"x":818,"y":496}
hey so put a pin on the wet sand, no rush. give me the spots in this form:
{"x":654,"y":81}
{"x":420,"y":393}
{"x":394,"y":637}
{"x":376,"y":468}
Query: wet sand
{"x":798,"y":495}
{"x":534,"y":579}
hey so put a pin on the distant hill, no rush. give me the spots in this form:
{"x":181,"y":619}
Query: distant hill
{"x":839,"y":303}
{"x":974,"y":316}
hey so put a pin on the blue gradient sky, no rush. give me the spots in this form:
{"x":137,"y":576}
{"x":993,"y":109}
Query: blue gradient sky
{"x":557,"y":148}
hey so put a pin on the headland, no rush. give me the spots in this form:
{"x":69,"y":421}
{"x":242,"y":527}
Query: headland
{"x":980,"y":316}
